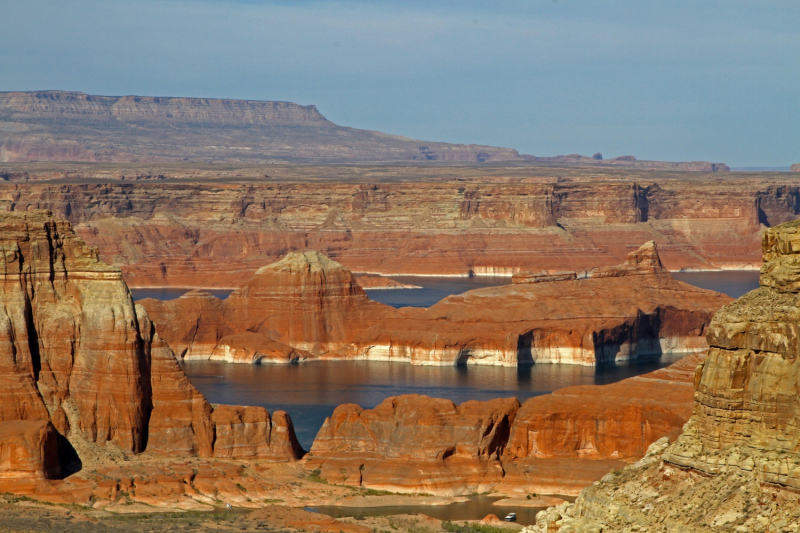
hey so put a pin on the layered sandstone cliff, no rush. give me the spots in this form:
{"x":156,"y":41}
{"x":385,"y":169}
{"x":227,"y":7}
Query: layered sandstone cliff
{"x":219,"y":234}
{"x":311,"y":304}
{"x":562,"y":442}
{"x":736,"y":467}
{"x":76,"y":352}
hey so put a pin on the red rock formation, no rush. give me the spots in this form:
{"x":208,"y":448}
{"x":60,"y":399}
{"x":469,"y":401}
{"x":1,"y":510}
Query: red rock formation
{"x":249,"y":432}
{"x":563,"y":441}
{"x":207,"y":235}
{"x":642,"y":262}
{"x":414,"y":443}
{"x":382,"y":283}
{"x":557,"y":443}
{"x":736,"y":466}
{"x":303,"y":303}
{"x":76,"y":351}
{"x":28,"y":454}
{"x":795,"y":168}
{"x":542,"y":277}
{"x":310,"y":303}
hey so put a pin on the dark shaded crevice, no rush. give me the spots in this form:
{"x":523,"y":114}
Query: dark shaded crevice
{"x":67,"y":457}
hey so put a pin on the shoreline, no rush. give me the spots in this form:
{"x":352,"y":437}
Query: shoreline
{"x":454,"y":276}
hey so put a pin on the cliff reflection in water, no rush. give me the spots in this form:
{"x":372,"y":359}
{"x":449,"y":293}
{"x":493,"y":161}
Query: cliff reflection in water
{"x":309,"y":392}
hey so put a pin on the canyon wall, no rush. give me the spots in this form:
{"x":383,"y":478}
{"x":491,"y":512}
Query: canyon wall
{"x":307,"y":305}
{"x":77,"y":353}
{"x":736,"y":467}
{"x":219,"y":234}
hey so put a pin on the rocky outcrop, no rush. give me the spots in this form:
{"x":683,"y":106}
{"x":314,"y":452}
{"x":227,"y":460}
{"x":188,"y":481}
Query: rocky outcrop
{"x":249,"y":432}
{"x":415,"y":443}
{"x":312,"y":304}
{"x":542,"y":277}
{"x":218,"y":234}
{"x":736,"y":467}
{"x":642,"y":262}
{"x":747,"y":404}
{"x":795,"y":168}
{"x":378,"y":283}
{"x":562,"y":442}
{"x":76,"y":352}
{"x":303,"y":303}
{"x":72,"y":126}
{"x":28,"y":454}
{"x":556,"y":443}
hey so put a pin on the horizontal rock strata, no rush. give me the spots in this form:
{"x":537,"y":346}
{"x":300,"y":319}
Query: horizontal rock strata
{"x":218,"y":234}
{"x":72,"y":126}
{"x":736,"y":467}
{"x":76,"y":352}
{"x":414,"y":443}
{"x":312,"y":305}
{"x":563,"y":441}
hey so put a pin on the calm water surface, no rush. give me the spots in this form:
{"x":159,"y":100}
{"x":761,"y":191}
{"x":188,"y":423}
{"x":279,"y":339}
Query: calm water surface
{"x":310,"y":391}
{"x":433,"y":289}
{"x":734,"y":283}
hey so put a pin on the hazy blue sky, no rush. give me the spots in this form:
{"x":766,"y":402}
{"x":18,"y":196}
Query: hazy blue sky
{"x":671,"y":80}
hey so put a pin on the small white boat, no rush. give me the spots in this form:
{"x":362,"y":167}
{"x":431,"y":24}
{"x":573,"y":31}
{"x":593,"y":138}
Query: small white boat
{"x":511,"y":517}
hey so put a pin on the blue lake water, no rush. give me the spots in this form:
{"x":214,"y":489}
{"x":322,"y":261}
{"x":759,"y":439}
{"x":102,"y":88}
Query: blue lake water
{"x":309,"y":392}
{"x":733,"y":283}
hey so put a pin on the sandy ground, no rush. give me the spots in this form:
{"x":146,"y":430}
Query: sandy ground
{"x":19,"y":514}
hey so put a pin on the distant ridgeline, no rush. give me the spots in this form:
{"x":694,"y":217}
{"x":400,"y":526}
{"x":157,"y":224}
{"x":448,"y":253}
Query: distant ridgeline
{"x":73,"y":126}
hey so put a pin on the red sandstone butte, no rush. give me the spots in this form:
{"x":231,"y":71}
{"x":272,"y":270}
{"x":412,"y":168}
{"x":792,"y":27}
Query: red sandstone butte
{"x":307,"y":304}
{"x":414,"y":443}
{"x":561,"y":442}
{"x":75,"y":351}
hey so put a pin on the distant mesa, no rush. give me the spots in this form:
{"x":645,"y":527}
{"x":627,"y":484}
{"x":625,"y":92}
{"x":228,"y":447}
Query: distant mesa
{"x":631,"y":161}
{"x":79,"y":127}
{"x":795,"y":168}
